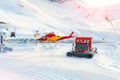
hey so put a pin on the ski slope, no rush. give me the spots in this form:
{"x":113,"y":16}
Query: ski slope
{"x":50,"y":62}
{"x":46,"y":61}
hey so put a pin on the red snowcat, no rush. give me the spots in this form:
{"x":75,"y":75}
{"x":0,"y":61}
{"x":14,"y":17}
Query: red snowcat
{"x":82,"y":47}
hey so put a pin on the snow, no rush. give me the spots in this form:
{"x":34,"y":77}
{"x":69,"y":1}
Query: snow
{"x":48,"y":61}
{"x":99,"y":3}
{"x":53,"y":64}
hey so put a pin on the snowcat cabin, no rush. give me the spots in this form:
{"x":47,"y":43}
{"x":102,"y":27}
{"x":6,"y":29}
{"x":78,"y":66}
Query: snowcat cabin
{"x":82,"y":44}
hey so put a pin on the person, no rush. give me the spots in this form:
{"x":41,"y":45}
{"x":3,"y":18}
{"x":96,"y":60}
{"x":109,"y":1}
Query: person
{"x":2,"y":42}
{"x":35,"y":36}
{"x":1,"y":39}
{"x":12,"y":34}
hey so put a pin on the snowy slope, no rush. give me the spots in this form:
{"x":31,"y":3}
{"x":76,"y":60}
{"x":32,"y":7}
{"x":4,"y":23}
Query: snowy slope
{"x":49,"y":61}
{"x":61,"y":18}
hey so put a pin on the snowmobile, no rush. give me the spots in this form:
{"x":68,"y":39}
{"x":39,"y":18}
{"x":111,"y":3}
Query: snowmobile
{"x":82,"y":47}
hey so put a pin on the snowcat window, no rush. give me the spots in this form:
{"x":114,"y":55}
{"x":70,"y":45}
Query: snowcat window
{"x":80,"y":46}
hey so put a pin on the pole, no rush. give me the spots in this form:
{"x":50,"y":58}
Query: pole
{"x":1,"y":40}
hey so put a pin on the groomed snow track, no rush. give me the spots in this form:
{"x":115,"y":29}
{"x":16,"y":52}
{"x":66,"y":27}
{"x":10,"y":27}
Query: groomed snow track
{"x":51,"y":63}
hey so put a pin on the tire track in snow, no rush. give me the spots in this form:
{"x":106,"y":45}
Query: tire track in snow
{"x":108,"y":57}
{"x":33,"y":72}
{"x":44,"y":74}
